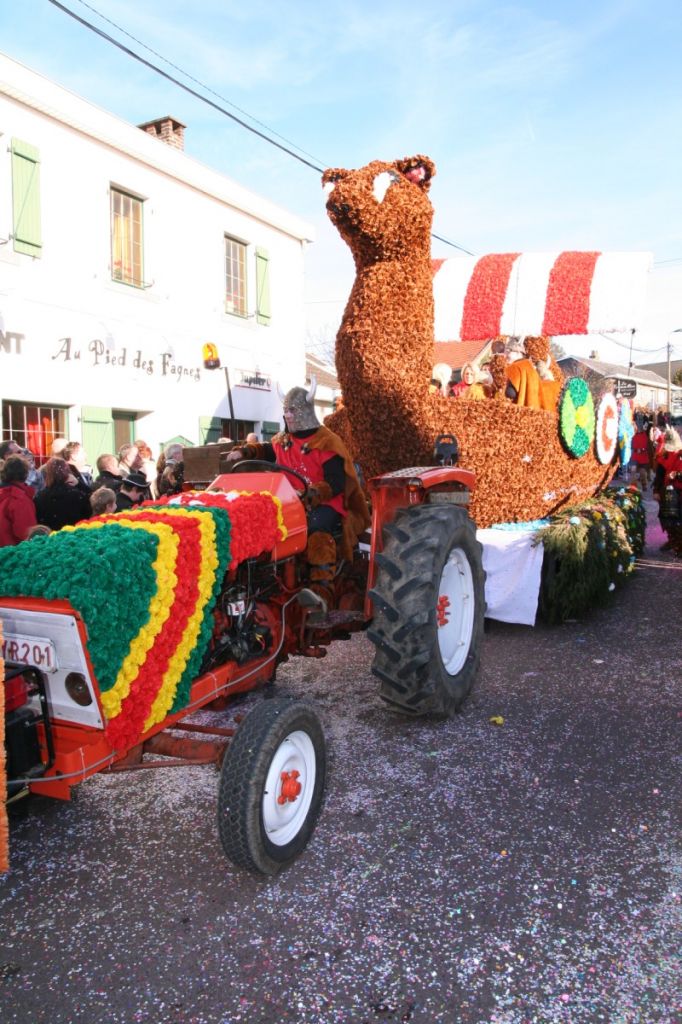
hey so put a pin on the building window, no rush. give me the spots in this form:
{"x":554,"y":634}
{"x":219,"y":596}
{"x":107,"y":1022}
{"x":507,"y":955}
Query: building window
{"x":126,"y":238}
{"x":235,"y":277}
{"x":33,"y":426}
{"x":26,"y":198}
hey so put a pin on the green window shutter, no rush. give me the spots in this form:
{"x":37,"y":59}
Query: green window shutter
{"x":98,"y":433}
{"x":270,"y":428}
{"x":262,"y":286}
{"x":210,"y":429}
{"x":26,"y":198}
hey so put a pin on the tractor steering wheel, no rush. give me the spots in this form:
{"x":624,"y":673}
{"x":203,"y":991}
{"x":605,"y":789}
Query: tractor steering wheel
{"x":256,"y":464}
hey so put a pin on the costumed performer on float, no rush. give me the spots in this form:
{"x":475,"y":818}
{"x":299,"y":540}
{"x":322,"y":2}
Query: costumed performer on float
{"x":531,"y":382}
{"x":334,"y":499}
{"x":470,"y":385}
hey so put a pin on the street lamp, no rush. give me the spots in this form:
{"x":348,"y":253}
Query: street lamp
{"x":211,"y":361}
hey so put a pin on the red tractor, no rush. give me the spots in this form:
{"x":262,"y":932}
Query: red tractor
{"x":416,"y":583}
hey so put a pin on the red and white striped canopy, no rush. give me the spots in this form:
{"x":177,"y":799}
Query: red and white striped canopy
{"x":552,"y":293}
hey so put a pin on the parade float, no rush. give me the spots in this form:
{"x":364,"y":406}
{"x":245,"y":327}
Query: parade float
{"x":116,"y":630}
{"x":531,"y":464}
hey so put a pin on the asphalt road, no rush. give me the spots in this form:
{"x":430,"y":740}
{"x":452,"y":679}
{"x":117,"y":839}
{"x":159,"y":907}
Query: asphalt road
{"x":461,"y":872}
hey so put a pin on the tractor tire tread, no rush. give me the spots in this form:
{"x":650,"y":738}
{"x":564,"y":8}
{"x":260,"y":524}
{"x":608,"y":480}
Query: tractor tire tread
{"x":246,"y":759}
{"x":407,"y":659}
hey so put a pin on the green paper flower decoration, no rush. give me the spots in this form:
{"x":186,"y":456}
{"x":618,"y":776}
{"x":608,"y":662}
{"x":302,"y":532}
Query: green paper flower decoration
{"x":576,"y":417}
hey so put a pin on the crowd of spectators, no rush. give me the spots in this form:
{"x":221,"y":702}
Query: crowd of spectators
{"x":62,"y":491}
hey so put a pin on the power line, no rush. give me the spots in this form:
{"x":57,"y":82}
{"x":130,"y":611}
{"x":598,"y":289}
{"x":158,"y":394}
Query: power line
{"x":170,"y":78}
{"x":192,"y":92}
{"x":630,"y":348}
{"x":453,"y":244}
{"x":203,"y":85}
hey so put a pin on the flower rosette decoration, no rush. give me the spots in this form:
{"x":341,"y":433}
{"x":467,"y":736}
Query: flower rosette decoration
{"x":626,"y":431}
{"x":606,"y":435}
{"x":157,"y":660}
{"x":247,"y":524}
{"x":576,"y":417}
{"x":148,"y":626}
{"x":256,"y":518}
{"x":80,"y":566}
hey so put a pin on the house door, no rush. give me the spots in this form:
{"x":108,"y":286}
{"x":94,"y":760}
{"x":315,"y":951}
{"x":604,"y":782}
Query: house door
{"x":124,"y":428}
{"x":98,"y":432}
{"x":105,"y":430}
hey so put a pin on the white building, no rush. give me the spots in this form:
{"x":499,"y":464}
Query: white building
{"x":647,"y":389}
{"x":328,"y":388}
{"x":120,"y":258}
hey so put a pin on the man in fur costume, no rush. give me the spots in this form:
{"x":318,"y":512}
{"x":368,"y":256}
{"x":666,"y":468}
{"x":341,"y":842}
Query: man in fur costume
{"x":531,"y":382}
{"x":523,"y":385}
{"x":335,"y":501}
{"x":538,"y":351}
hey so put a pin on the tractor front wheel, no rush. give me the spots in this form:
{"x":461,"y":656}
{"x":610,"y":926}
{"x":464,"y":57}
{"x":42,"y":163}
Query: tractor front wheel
{"x":271,"y":786}
{"x":429,"y":606}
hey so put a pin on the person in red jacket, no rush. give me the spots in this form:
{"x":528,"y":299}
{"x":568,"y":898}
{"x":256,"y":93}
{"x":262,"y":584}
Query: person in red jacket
{"x":17,"y":511}
{"x":667,"y":490}
{"x":641,"y":456}
{"x":334,"y":498}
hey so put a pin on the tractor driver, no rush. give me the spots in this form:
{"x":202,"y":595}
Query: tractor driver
{"x":335,"y":501}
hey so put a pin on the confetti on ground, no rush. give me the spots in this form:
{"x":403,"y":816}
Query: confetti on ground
{"x":458,"y":874}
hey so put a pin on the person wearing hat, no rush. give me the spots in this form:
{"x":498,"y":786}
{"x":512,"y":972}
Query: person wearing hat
{"x":133,"y":490}
{"x":667,"y":489}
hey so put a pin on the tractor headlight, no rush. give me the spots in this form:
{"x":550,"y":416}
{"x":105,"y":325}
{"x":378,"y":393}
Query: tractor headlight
{"x":77,"y":689}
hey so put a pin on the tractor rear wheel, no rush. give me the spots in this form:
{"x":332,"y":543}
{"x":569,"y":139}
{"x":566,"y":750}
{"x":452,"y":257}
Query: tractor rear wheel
{"x":271,"y":786}
{"x":429,"y":606}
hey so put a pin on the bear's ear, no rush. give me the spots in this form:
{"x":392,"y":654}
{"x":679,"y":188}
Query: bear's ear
{"x":417,"y":169}
{"x":332,"y":175}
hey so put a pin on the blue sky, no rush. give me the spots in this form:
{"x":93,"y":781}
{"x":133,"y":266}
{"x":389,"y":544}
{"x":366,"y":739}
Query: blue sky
{"x":553,"y":125}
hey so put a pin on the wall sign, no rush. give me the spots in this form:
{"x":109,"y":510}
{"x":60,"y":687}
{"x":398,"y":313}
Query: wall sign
{"x":625,"y":388}
{"x":98,"y":355}
{"x":254,"y":379}
{"x":95,"y":354}
{"x":10,"y":342}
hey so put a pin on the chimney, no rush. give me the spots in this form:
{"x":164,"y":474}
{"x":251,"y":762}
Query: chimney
{"x":168,"y":130}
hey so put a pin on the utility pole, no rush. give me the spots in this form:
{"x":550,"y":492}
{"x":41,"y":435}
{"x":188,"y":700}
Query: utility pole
{"x":233,"y":428}
{"x":678,"y":330}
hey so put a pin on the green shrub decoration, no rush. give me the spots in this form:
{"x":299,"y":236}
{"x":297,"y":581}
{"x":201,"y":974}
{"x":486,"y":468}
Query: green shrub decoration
{"x":590,"y":549}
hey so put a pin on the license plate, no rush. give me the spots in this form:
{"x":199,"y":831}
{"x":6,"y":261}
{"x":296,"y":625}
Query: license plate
{"x":30,"y":650}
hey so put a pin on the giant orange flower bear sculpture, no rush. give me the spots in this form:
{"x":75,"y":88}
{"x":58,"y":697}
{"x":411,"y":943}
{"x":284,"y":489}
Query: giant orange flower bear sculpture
{"x":384,"y":354}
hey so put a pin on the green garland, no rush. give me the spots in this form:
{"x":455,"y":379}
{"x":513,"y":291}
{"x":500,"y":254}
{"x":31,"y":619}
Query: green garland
{"x":71,"y":565}
{"x":590,"y":549}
